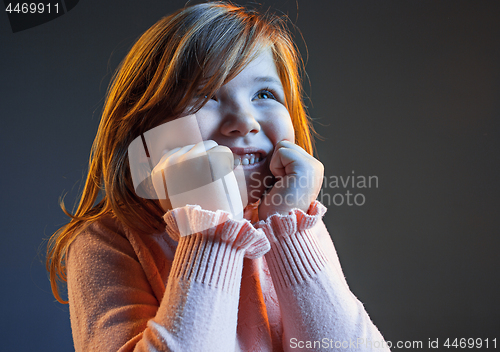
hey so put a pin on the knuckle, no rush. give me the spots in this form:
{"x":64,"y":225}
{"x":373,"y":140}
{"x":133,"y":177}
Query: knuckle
{"x":221,"y":149}
{"x":321,"y":166}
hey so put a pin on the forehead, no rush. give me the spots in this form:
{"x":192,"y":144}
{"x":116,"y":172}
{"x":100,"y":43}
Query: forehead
{"x":261,"y":68}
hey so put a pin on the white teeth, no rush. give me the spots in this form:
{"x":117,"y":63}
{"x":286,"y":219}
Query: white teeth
{"x":247,"y":159}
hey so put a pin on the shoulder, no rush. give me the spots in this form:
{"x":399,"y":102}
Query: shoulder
{"x":99,"y":238}
{"x":107,"y":250}
{"x":102,"y":260}
{"x":104,"y":251}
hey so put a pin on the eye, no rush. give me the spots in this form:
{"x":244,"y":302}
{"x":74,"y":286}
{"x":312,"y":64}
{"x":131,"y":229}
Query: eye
{"x":265,"y":94}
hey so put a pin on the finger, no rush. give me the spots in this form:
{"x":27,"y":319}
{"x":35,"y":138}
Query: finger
{"x":164,"y":159}
{"x":210,"y":144}
{"x":284,"y":161}
{"x":198,"y":149}
{"x":166,"y":153}
{"x":287,"y":144}
{"x":222,"y":154}
{"x":158,"y":180}
{"x":173,"y":156}
{"x":203,"y":146}
{"x":179,"y":152}
{"x":284,"y":145}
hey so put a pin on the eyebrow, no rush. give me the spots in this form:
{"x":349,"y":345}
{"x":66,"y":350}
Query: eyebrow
{"x":268,"y":79}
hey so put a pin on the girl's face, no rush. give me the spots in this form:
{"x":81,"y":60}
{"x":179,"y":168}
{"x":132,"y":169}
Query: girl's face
{"x":249,"y":116}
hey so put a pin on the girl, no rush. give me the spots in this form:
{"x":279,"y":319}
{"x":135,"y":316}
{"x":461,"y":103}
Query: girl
{"x":271,"y":281}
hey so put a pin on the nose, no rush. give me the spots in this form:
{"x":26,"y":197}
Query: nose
{"x":239,"y":120}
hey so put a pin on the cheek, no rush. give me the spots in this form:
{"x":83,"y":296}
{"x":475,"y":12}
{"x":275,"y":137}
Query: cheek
{"x":282,"y":128}
{"x":290,"y":132}
{"x":206,"y":125}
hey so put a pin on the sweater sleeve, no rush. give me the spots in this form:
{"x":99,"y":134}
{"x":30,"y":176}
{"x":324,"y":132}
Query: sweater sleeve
{"x":319,"y":311}
{"x":113,"y":307}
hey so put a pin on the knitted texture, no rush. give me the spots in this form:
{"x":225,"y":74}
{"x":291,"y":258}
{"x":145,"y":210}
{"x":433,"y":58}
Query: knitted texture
{"x":218,"y":226}
{"x":296,"y":220}
{"x":230,"y":287}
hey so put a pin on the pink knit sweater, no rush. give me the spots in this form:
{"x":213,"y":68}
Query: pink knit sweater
{"x":215,"y":290}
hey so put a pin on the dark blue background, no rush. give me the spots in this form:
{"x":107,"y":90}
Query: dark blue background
{"x":408,"y":91}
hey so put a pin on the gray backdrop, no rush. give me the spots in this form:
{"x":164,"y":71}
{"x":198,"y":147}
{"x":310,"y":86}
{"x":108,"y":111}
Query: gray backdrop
{"x":407,"y":91}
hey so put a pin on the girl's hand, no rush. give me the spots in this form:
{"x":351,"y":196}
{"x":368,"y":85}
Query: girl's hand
{"x":299,"y":178}
{"x":198,"y":174}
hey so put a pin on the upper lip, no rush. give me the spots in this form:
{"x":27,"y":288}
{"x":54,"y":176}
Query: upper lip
{"x":248,"y":150}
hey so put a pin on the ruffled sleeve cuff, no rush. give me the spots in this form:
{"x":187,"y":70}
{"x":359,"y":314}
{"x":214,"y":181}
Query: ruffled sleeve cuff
{"x":217,"y":226}
{"x":295,"y":254}
{"x":279,"y":226}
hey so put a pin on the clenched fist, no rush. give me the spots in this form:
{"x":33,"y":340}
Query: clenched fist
{"x":200,"y":174}
{"x":299,"y":178}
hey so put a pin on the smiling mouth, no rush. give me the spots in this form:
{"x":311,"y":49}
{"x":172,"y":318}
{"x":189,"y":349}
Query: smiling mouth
{"x":247,"y":159}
